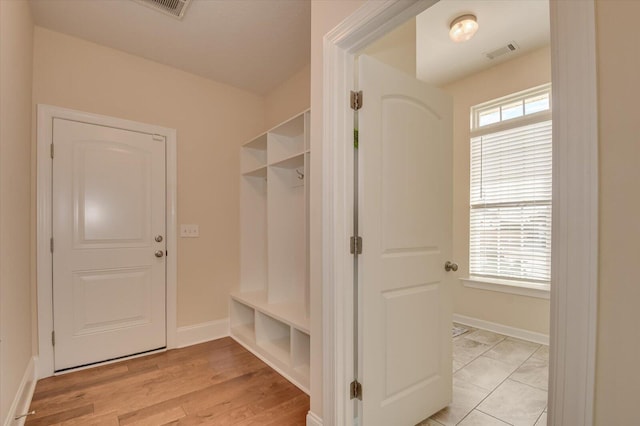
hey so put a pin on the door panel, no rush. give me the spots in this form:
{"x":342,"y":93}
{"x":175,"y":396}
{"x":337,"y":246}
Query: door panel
{"x":113,"y":208}
{"x":106,"y":300}
{"x":405,"y":196}
{"x":408,"y":185}
{"x":411,"y":359}
{"x":108,"y":205}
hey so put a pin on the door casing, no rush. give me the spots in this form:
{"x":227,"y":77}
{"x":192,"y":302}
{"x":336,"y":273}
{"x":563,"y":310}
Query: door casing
{"x":575,"y":221}
{"x":45,"y":115}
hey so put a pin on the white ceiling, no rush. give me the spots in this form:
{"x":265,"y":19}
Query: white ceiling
{"x":250,"y":44}
{"x":439,"y":60}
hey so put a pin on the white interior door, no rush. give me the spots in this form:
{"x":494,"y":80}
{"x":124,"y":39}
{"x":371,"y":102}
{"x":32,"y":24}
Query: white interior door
{"x":405,"y":152}
{"x":109,"y":241}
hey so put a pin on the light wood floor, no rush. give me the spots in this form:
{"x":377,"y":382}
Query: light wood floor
{"x":214,"y":383}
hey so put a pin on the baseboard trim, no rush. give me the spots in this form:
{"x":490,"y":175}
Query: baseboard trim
{"x":22,"y":399}
{"x":313,"y":419}
{"x":518,"y":333}
{"x":203,"y":332}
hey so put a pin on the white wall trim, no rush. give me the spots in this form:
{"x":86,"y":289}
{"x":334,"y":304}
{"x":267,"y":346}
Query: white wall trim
{"x":45,"y":115}
{"x":203,"y":332}
{"x":22,"y":398}
{"x":574,"y":264}
{"x":575,"y":249}
{"x":313,"y":419}
{"x":518,"y":333}
{"x":539,"y":291}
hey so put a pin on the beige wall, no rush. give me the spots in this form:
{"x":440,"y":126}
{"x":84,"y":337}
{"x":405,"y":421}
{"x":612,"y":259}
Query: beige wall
{"x":325,"y":15}
{"x":617,"y":376}
{"x":16,"y":61}
{"x":398,"y":48}
{"x":211,"y":119}
{"x":288,"y":99}
{"x":519,"y":74}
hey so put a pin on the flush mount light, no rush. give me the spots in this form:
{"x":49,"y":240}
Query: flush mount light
{"x":463,"y":28}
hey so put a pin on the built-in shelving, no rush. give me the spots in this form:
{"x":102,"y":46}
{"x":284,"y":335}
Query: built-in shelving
{"x":270,"y":309}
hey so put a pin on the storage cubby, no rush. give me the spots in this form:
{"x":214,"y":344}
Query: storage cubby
{"x":301,"y":356}
{"x":253,"y":232}
{"x":286,"y":229}
{"x":270,"y":308}
{"x":274,"y":337}
{"x":287,"y":140}
{"x":254,"y":154}
{"x":243,"y":322}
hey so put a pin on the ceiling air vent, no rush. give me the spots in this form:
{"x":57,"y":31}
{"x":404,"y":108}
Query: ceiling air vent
{"x":175,"y":8}
{"x":509,"y":48}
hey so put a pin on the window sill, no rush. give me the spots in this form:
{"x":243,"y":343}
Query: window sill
{"x":540,"y":291}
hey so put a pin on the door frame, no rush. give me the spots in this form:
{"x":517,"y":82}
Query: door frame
{"x":44,"y":258}
{"x":575,"y":204}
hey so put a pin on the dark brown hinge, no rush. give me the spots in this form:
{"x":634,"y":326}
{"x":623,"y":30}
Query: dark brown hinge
{"x":356,"y":245}
{"x":356,"y":390}
{"x":356,"y":100}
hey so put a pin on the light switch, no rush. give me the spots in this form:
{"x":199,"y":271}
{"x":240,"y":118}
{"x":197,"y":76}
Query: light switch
{"x":189,"y":231}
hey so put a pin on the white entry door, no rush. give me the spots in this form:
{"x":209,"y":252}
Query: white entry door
{"x":405,"y":152}
{"x":109,"y":242}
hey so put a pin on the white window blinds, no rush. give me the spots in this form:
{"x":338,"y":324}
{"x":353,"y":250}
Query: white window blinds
{"x":510,"y":217}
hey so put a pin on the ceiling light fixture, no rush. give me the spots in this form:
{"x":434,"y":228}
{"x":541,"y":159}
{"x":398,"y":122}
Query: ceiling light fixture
{"x":463,"y":28}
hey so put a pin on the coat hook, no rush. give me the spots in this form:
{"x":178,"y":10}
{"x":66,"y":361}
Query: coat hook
{"x":300,"y":174}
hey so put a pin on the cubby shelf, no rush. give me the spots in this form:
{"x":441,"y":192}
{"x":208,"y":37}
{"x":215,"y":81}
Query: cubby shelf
{"x":269,"y":312}
{"x":258,"y":172}
{"x":291,"y":313}
{"x":245,"y":332}
{"x":291,"y":162}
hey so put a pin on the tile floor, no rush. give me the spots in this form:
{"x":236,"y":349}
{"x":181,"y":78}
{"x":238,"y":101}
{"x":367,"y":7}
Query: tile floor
{"x":497,"y":380}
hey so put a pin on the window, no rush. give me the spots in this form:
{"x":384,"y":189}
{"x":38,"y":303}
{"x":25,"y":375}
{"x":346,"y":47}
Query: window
{"x":510,"y":202}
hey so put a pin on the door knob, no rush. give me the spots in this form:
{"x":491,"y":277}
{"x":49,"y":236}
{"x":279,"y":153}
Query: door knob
{"x":450,"y":266}
{"x":159,"y":253}
{"x":158,"y":238}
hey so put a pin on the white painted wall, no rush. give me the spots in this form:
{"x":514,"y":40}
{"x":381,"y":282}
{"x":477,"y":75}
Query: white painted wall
{"x":16,"y":62}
